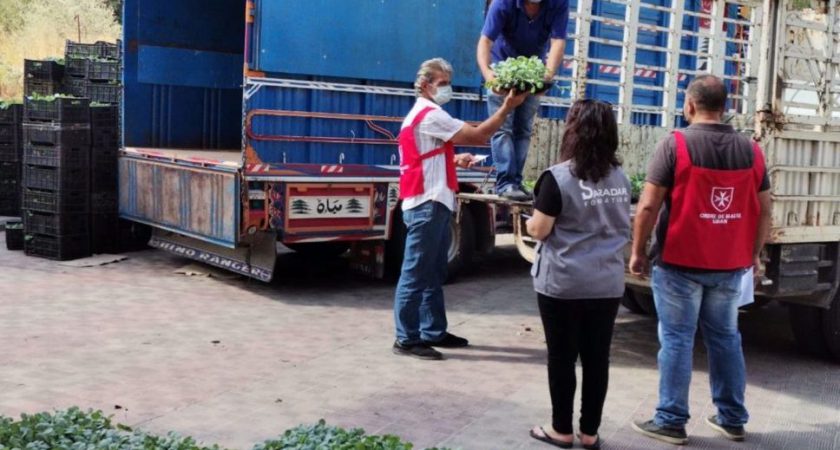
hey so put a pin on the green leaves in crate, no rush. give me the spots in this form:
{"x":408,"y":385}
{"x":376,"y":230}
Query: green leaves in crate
{"x":521,"y":74}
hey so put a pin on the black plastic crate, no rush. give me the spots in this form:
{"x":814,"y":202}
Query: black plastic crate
{"x":109,"y":50}
{"x":11,"y":114}
{"x":14,"y":235}
{"x":10,"y":173}
{"x":56,"y":134}
{"x":43,"y":70}
{"x":10,"y":134}
{"x":62,"y":179}
{"x":103,"y":179}
{"x":10,"y":152}
{"x":60,"y":248}
{"x":77,"y":67}
{"x":10,"y":203}
{"x":103,"y":202}
{"x":105,"y":117}
{"x":44,"y":88}
{"x":56,"y":202}
{"x":37,"y":222}
{"x":56,"y":155}
{"x":105,"y":233}
{"x":105,"y":141}
{"x":76,"y":87}
{"x":98,"y":49}
{"x":59,"y":110}
{"x":110,"y":93}
{"x":102,"y":70}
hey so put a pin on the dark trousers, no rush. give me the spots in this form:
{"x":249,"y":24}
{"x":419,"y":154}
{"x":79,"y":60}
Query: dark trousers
{"x":578,"y":327}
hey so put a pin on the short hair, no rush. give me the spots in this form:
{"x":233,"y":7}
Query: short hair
{"x":708,"y":92}
{"x":428,"y":70}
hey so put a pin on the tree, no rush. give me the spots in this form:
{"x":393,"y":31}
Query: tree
{"x":354,"y":205}
{"x":116,"y":5}
{"x":300,"y":206}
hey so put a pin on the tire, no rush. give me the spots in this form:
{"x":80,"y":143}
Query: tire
{"x":806,"y":322}
{"x":321,"y":250}
{"x":646,"y":303}
{"x":831,"y":328}
{"x":462,"y":246}
{"x":460,"y":252}
{"x":628,"y":300}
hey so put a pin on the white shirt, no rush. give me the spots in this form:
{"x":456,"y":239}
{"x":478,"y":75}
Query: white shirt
{"x":437,"y":128}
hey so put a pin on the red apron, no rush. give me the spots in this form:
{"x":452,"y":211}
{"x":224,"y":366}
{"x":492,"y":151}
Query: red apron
{"x":714,"y":213}
{"x":411,"y":161}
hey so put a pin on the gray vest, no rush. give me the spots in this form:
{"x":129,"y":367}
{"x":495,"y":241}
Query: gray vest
{"x":583,"y":257}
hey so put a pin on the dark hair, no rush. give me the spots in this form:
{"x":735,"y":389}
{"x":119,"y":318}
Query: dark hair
{"x":708,"y":92}
{"x":590,"y":140}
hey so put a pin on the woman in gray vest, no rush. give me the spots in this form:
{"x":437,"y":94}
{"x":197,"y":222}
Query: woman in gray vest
{"x":582,"y":222}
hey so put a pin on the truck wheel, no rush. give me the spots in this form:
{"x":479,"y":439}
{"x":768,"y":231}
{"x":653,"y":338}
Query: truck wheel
{"x":462,"y":245}
{"x":831,"y":327}
{"x":628,"y":300}
{"x":646,"y":303}
{"x":806,"y":322}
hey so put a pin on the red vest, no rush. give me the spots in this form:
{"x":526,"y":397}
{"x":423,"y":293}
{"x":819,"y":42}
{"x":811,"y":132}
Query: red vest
{"x":411,"y":161}
{"x":714,"y":213}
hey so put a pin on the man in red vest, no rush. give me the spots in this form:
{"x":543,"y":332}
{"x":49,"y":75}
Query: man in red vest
{"x":428,"y":184}
{"x":716,"y":215}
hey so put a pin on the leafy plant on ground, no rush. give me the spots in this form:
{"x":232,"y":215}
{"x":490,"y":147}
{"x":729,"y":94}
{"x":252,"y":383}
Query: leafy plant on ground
{"x":521,"y":73}
{"x":637,"y":183}
{"x":74,"y":429}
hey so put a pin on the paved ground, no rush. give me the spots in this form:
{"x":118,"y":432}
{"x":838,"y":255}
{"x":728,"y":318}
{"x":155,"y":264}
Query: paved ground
{"x":235,"y":361}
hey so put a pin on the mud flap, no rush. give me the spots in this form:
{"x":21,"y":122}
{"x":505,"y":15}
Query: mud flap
{"x":254,"y":258}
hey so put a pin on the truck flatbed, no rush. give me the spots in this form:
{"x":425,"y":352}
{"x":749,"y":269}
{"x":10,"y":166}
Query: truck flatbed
{"x":494,"y":199}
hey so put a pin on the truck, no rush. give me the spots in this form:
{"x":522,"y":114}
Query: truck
{"x":248,"y":123}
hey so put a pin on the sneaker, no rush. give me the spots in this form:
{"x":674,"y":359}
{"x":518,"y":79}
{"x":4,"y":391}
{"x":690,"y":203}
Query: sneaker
{"x":420,"y":351}
{"x":516,"y":195}
{"x":650,"y":429}
{"x":732,"y":433}
{"x":449,"y":341}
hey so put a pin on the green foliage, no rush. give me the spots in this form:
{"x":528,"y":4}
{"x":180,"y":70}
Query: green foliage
{"x":74,"y":429}
{"x":637,"y":183}
{"x":324,"y":437}
{"x":521,"y":73}
{"x":5,"y":104}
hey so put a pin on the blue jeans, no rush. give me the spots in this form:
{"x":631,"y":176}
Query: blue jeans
{"x":509,"y":145}
{"x":681,"y":299}
{"x":419,"y":311}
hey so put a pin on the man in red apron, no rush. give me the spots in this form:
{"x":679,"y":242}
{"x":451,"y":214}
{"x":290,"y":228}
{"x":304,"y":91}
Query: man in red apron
{"x":428,"y":183}
{"x":708,"y":185}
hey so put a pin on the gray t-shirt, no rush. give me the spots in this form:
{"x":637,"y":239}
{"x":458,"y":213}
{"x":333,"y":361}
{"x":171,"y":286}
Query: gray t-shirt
{"x":711,"y":146}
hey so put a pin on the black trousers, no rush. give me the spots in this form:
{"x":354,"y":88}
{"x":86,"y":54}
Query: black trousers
{"x":581,"y":327}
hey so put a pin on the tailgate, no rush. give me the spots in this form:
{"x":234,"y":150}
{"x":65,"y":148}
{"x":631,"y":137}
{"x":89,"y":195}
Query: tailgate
{"x":195,"y":200}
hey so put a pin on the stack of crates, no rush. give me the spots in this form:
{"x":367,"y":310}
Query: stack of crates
{"x":42,"y":77}
{"x":105,"y":144}
{"x":93,"y":71}
{"x":11,"y":117}
{"x":56,"y":177}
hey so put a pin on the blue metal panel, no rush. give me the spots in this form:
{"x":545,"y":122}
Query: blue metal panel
{"x":186,"y":95}
{"x":186,"y":67}
{"x":323,"y":38}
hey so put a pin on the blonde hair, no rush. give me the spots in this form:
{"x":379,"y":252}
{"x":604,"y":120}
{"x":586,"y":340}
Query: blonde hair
{"x":428,"y":70}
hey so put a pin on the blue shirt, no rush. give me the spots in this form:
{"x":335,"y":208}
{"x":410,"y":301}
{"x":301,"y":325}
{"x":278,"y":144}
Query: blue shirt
{"x":514,"y":34}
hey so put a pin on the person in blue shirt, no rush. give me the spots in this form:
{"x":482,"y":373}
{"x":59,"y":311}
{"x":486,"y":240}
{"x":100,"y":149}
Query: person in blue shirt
{"x":519,"y":28}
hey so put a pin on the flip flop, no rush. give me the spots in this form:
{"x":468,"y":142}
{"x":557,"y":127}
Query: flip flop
{"x":593,"y":446}
{"x":549,"y":440}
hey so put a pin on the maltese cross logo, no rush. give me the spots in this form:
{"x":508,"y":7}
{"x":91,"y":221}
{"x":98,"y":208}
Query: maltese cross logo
{"x":722,"y":198}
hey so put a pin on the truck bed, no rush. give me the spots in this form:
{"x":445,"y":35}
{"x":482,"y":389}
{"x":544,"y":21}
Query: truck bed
{"x":227,"y":158}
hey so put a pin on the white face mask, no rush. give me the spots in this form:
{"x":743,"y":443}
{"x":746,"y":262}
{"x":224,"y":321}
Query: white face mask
{"x":442,"y":95}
